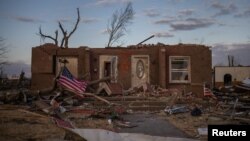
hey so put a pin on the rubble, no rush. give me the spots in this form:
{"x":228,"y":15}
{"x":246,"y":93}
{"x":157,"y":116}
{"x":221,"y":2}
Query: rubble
{"x":244,"y":85}
{"x":63,"y":109}
{"x":202,"y":131}
{"x":196,"y":112}
{"x":110,"y":88}
{"x":176,"y":109}
{"x":124,"y":124}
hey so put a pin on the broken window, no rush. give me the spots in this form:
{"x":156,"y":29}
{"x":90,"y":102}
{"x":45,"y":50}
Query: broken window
{"x":179,"y":69}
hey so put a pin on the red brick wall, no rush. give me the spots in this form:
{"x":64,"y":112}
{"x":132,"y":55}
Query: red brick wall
{"x":201,"y":65}
{"x":43,"y":63}
{"x":42,"y":59}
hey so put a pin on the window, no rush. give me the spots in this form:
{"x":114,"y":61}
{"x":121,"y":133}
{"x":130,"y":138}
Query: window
{"x":179,"y":69}
{"x":140,"y":69}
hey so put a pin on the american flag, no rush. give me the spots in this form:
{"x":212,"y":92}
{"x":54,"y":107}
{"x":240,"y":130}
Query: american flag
{"x":207,"y":91}
{"x":67,"y":80}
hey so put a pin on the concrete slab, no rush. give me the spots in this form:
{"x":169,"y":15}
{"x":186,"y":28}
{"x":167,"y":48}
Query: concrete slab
{"x":150,"y":124}
{"x":105,"y":135}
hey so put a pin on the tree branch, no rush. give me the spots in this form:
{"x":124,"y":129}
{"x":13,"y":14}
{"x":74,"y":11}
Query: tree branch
{"x":3,"y":51}
{"x":118,"y":24}
{"x":65,"y":36}
{"x":50,"y":37}
{"x":77,"y":22}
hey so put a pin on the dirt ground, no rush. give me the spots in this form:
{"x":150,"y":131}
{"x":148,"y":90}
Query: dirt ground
{"x":19,"y":124}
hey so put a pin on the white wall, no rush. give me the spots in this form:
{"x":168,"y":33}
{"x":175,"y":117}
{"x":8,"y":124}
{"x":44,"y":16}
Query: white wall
{"x":238,"y":73}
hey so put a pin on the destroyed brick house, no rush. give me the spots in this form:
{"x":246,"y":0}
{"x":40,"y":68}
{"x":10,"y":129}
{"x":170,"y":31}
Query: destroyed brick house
{"x":185,"y":66}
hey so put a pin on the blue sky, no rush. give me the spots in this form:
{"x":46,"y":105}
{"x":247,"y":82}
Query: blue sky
{"x":221,"y":24}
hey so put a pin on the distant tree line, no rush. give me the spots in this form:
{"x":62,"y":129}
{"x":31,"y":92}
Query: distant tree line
{"x":3,"y":52}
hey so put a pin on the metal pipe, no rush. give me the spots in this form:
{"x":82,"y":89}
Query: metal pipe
{"x":146,"y":39}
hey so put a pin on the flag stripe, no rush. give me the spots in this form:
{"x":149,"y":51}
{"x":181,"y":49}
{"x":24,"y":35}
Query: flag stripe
{"x":67,"y":80}
{"x":70,"y":85}
{"x":73,"y":85}
{"x":207,"y":91}
{"x":73,"y":82}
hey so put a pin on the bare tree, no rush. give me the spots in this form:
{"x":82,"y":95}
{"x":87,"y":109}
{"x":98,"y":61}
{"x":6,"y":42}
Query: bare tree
{"x":118,"y":24}
{"x":66,"y":37}
{"x":43,"y":36}
{"x":3,"y":51}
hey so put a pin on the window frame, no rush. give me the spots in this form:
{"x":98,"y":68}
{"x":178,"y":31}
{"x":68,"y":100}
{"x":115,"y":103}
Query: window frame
{"x":188,"y":70}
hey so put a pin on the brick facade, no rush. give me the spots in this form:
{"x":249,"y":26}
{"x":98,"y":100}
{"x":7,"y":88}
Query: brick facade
{"x":43,"y":63}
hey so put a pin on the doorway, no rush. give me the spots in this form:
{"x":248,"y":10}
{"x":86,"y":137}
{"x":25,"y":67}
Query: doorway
{"x":227,"y":79}
{"x":107,"y":69}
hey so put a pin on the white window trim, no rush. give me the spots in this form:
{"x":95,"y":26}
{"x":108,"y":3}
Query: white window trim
{"x":170,"y":70}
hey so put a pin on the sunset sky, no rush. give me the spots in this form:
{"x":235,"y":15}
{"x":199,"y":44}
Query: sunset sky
{"x":222,"y":24}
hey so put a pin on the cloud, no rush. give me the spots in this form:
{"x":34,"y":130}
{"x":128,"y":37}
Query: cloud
{"x":89,"y":20}
{"x":83,"y":20}
{"x":175,"y":1}
{"x":223,"y":9}
{"x":186,"y":24}
{"x":192,"y":23}
{"x":163,"y":34}
{"x":65,"y":20}
{"x":104,"y":31}
{"x":186,"y":12}
{"x":222,"y":24}
{"x":243,"y":14}
{"x":110,"y":2}
{"x":22,"y":19}
{"x":231,"y":47}
{"x":152,"y":12}
{"x":166,"y":20}
{"x":240,"y":51}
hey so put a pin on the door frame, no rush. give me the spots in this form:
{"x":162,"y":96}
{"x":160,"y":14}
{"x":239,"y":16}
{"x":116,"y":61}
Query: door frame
{"x":114,"y":67}
{"x":132,"y":67}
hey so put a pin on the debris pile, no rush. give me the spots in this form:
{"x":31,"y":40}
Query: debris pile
{"x":234,"y":106}
{"x":61,"y":110}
